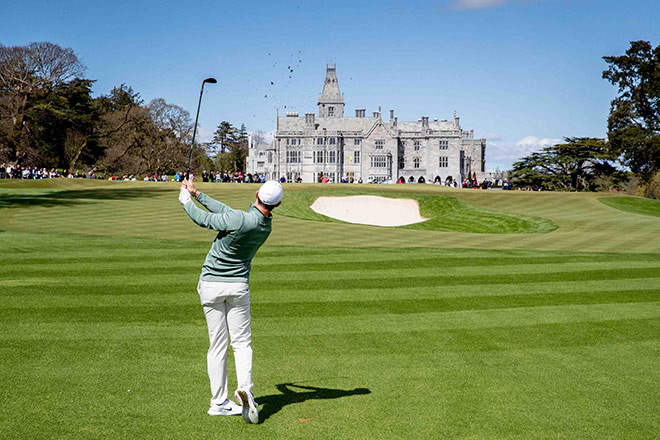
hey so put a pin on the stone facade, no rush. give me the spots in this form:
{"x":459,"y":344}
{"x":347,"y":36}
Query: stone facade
{"x":367,"y":148}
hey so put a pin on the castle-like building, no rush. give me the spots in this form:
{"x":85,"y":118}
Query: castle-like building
{"x":340,"y":148}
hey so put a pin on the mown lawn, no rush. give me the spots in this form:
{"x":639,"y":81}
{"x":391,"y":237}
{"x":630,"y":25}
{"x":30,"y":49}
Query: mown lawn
{"x":358,"y":331}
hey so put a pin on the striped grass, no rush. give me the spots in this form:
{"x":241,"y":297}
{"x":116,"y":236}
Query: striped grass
{"x":358,"y":332}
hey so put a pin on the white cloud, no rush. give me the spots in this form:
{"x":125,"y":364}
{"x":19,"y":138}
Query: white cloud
{"x":501,"y":153}
{"x":465,"y":5}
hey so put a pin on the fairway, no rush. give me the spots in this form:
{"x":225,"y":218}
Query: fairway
{"x":509,"y":315}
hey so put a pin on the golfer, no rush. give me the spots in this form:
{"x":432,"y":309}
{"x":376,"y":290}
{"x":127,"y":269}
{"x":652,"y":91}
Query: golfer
{"x":223,"y":288}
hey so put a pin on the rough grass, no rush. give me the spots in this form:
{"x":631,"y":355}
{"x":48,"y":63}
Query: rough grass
{"x":358,"y":332}
{"x":444,"y":213}
{"x":634,"y":205}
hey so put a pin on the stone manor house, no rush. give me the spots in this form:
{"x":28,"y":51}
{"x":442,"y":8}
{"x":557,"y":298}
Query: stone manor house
{"x":365,"y":147}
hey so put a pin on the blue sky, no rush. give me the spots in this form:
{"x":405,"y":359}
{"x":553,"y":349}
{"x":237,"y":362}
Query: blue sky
{"x":521,"y":73}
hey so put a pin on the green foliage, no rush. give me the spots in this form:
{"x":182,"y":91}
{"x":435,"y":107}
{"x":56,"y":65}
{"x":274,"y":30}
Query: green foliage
{"x":64,"y":125}
{"x":229,"y":147}
{"x":581,"y":164}
{"x":28,"y":76}
{"x":634,"y":120}
{"x":634,"y":205}
{"x":444,"y":213}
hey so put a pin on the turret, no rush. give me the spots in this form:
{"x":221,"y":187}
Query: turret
{"x":331,"y":101}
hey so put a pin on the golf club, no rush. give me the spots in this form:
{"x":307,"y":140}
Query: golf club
{"x":207,"y":80}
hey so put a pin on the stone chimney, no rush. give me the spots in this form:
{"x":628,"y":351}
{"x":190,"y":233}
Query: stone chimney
{"x":391,"y":114}
{"x":456,"y":120}
{"x":360,"y":112}
{"x":425,"y":122}
{"x":309,"y":120}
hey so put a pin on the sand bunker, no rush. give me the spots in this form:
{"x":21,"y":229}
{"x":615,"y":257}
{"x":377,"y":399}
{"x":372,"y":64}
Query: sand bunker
{"x":369,"y":210}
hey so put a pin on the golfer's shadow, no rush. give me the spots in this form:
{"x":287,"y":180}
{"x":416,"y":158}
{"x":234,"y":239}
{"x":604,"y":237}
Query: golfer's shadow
{"x":269,"y":405}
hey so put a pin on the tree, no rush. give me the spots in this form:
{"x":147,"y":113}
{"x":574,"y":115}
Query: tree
{"x":171,"y":133}
{"x":63,"y":126}
{"x":27,"y":75}
{"x":124,"y":122}
{"x":581,"y":164}
{"x":229,"y":147}
{"x":143,"y":139}
{"x":634,"y":120}
{"x":224,"y":138}
{"x":239,"y":150}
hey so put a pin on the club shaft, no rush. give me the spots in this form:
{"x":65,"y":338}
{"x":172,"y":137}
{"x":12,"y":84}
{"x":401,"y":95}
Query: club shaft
{"x":192,"y":146}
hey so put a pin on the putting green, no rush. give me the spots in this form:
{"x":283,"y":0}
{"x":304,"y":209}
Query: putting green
{"x":444,"y":213}
{"x":359,"y":332}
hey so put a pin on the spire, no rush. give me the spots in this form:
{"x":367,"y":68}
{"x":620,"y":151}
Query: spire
{"x":331,"y":100}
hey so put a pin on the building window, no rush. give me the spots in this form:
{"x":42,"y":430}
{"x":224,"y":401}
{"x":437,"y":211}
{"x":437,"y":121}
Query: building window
{"x":444,"y":144}
{"x":331,"y":111}
{"x":261,"y":154}
{"x":378,"y":161}
{"x":380,"y":144}
{"x":402,"y":162}
{"x":416,"y":145}
{"x":332,"y":141}
{"x":319,"y":141}
{"x":270,"y":157}
{"x":356,"y":142}
{"x":356,"y":157}
{"x":416,"y":162}
{"x":293,"y":157}
{"x":444,"y":162}
{"x":318,"y":156}
{"x":332,"y":156}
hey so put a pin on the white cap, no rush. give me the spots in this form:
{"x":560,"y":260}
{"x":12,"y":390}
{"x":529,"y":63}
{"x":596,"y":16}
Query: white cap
{"x":271,"y":193}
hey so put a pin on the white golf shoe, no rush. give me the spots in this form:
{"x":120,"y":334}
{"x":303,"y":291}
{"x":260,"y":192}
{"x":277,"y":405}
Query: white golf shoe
{"x":249,"y":410}
{"x":227,"y":408}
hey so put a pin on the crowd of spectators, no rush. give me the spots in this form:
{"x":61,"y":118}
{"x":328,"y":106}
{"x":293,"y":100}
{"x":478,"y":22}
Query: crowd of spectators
{"x":14,"y":171}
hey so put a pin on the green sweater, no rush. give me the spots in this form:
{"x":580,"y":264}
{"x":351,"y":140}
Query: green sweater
{"x":240,"y":234}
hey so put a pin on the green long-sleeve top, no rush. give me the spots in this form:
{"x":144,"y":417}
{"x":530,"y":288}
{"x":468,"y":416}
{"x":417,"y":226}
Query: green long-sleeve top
{"x":240,"y":234}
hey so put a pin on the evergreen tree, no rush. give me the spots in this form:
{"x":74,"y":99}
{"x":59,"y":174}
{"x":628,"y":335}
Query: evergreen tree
{"x":634,"y":120}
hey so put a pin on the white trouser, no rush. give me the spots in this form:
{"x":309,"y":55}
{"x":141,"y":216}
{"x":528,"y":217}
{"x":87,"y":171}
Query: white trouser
{"x":227,"y":310}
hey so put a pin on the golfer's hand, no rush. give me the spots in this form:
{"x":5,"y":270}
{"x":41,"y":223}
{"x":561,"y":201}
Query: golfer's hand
{"x":190,"y":187}
{"x":184,"y":195}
